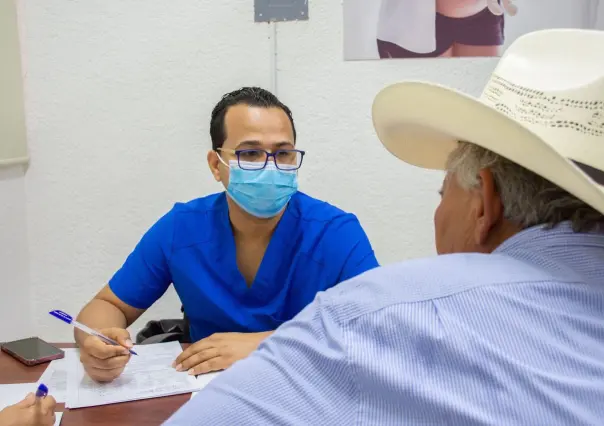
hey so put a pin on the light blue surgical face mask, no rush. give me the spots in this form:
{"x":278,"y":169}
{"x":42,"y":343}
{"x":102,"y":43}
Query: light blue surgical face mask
{"x":262,"y":193}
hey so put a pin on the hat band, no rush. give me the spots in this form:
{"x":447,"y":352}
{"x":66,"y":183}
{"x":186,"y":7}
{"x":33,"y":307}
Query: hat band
{"x":596,"y":175}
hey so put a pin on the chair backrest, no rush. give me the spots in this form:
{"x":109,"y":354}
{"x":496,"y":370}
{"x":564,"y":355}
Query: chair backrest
{"x":165,"y":330}
{"x":187,"y":330}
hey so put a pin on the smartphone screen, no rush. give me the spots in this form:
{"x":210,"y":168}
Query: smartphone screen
{"x":32,"y":349}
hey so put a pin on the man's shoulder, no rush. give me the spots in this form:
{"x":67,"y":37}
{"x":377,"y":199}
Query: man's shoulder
{"x":329,"y":234}
{"x":194,"y":221}
{"x":426,"y":279}
{"x":313,"y":210}
{"x":200,"y":205}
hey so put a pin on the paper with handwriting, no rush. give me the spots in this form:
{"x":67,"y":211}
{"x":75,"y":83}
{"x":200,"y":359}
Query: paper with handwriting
{"x":147,"y":375}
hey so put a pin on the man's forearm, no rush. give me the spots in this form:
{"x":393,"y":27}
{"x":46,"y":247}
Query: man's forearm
{"x":99,"y":314}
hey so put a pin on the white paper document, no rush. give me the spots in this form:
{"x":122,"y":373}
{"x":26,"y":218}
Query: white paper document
{"x":204,"y":379}
{"x":55,"y":375}
{"x":147,"y":375}
{"x":11,"y":394}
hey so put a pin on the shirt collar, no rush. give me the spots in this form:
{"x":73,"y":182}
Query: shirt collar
{"x":541,"y":235}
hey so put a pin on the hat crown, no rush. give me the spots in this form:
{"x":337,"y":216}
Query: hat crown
{"x":552,"y":82}
{"x":542,"y":109}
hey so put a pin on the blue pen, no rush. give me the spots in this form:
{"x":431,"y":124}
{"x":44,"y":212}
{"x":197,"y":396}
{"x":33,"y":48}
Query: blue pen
{"x":42,"y":391}
{"x":69,"y":320}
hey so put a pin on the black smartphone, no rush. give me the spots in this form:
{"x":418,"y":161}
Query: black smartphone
{"x":32,"y":351}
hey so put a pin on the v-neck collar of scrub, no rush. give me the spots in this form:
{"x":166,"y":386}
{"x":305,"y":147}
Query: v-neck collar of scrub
{"x":263,"y":287}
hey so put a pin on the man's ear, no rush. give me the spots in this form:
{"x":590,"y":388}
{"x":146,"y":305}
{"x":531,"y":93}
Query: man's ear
{"x":492,"y":208}
{"x":214,"y":164}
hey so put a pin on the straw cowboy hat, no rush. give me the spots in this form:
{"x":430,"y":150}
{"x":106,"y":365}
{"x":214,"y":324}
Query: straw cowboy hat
{"x":543,"y":108}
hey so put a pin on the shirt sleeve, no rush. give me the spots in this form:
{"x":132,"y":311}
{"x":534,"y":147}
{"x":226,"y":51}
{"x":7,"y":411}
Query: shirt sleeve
{"x":298,"y":376}
{"x":145,"y":276}
{"x":350,"y":245}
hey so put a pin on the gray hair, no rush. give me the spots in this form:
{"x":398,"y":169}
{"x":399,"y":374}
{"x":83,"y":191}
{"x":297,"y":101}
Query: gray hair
{"x":527,"y":198}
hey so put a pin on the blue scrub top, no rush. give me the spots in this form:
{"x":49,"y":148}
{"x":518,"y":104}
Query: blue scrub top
{"x":314,"y":247}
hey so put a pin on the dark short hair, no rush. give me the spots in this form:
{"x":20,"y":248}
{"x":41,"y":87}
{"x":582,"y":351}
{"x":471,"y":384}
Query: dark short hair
{"x":250,"y":96}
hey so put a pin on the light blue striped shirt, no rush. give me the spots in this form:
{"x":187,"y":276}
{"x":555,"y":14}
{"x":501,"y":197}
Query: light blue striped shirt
{"x":511,"y":338}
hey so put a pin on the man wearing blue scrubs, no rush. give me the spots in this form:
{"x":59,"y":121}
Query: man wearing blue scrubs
{"x":243,"y":261}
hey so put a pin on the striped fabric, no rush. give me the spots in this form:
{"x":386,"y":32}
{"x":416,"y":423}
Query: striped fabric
{"x":511,"y":338}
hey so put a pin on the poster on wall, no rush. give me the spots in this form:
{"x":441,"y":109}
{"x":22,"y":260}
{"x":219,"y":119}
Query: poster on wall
{"x":406,"y":29}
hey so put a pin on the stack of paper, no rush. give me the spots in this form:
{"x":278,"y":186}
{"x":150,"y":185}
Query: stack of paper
{"x":55,"y":375}
{"x":203,"y":380}
{"x":148,"y":375}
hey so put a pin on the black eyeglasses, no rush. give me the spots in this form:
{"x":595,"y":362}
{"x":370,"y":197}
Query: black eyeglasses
{"x":257,"y":159}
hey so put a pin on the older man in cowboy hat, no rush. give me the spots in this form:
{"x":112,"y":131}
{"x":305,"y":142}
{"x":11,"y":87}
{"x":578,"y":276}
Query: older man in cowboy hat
{"x":506,"y":325}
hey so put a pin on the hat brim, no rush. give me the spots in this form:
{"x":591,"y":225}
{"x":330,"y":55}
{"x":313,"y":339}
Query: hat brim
{"x":421,"y":123}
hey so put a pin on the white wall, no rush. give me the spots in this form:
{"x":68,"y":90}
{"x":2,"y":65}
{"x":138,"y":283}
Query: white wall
{"x":118,"y":96}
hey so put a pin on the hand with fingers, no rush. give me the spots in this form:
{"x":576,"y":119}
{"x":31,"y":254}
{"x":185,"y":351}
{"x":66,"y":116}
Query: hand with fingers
{"x":30,"y":412}
{"x":218,"y":352}
{"x":104,"y":362}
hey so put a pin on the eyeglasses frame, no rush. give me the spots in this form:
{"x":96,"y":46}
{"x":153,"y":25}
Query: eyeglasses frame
{"x":237,"y":152}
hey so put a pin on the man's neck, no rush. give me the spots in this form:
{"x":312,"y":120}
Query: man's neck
{"x":248,"y":227}
{"x":503,"y":232}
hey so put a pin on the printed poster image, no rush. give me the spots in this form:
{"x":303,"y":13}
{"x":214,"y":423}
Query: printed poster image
{"x":408,"y":29}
